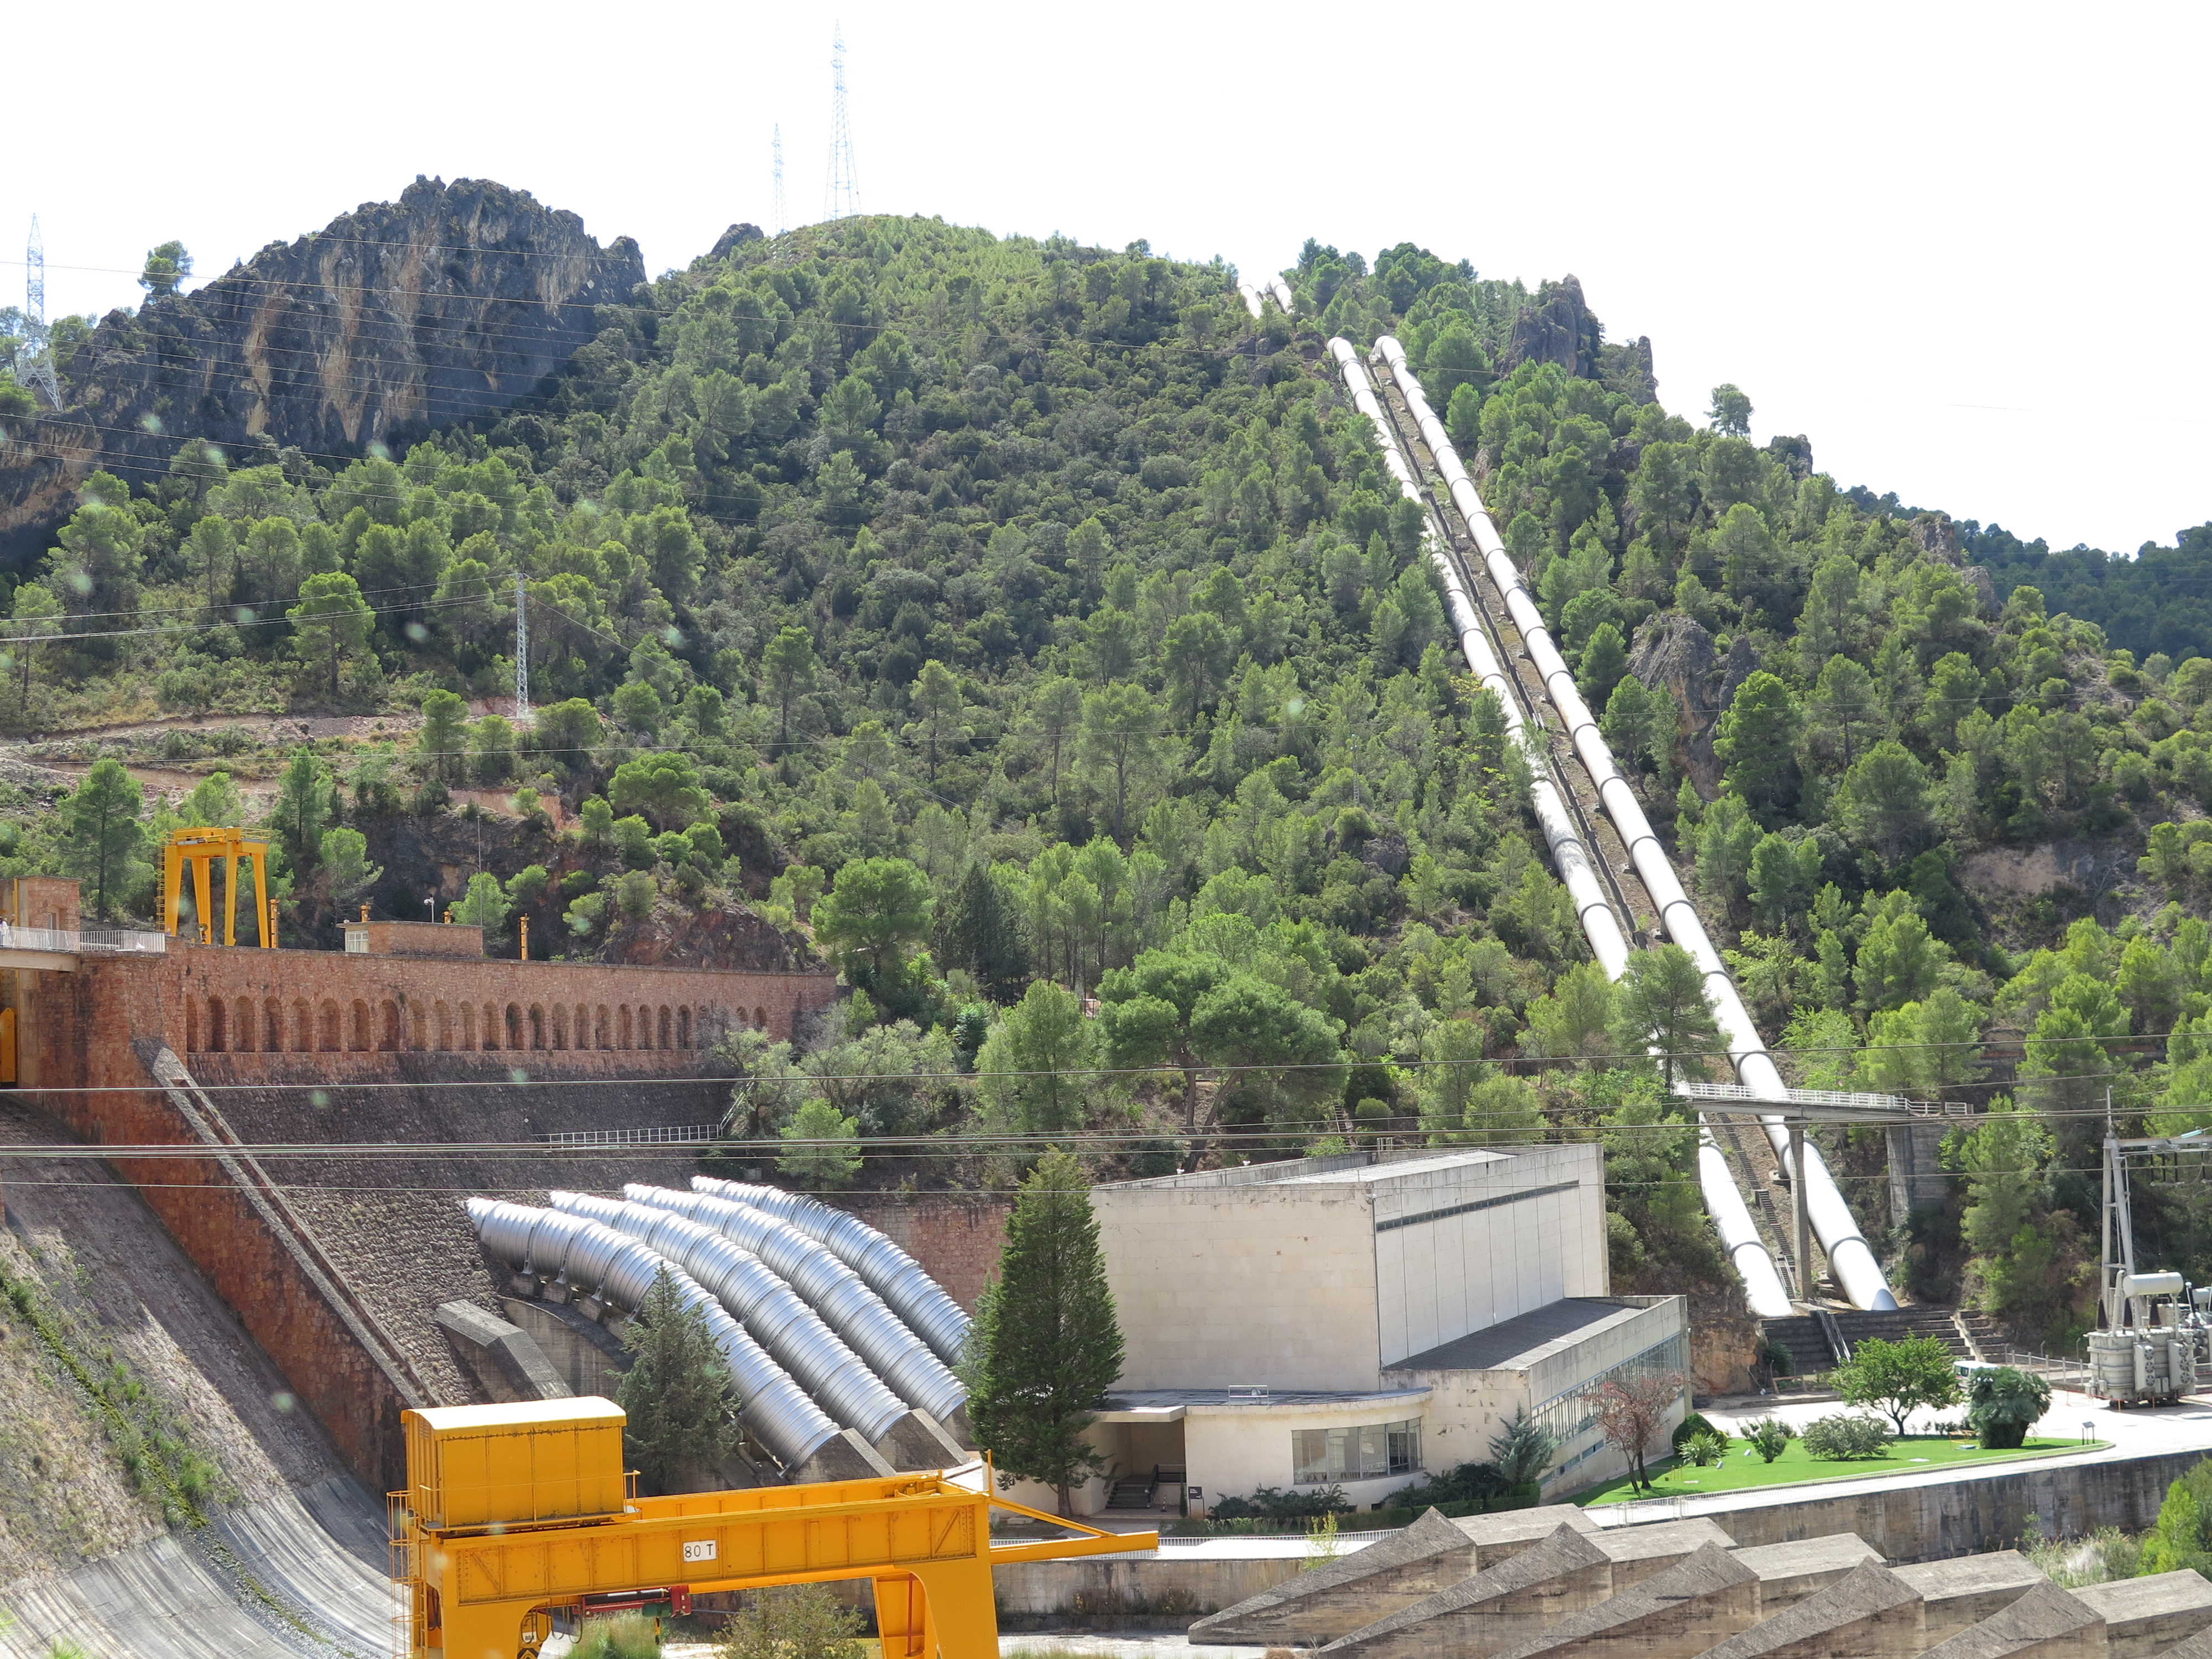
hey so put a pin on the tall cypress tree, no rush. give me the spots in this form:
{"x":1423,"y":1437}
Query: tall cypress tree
{"x":682,"y":1404}
{"x":1045,"y":1345}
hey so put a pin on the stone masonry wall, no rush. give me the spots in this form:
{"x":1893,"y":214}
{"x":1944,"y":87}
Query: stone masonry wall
{"x":235,"y":999}
{"x":218,"y":1219}
{"x":325,"y":1264}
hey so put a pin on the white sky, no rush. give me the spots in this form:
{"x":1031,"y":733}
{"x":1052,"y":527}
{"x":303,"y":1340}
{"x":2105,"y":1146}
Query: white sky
{"x":1962,"y":247}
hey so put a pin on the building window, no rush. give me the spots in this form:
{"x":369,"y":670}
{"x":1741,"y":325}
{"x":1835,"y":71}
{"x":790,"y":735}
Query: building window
{"x":1569,"y":1416}
{"x":1319,"y":1456}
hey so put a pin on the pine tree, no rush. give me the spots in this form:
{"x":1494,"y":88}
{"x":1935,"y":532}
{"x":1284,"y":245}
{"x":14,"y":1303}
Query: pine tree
{"x":984,"y":935}
{"x":683,"y":1405}
{"x":1045,"y":1345}
{"x":100,"y":831}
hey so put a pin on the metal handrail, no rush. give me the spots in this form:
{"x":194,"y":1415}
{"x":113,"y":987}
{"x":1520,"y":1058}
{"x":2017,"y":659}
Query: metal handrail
{"x":661,"y":1135}
{"x":68,"y":941}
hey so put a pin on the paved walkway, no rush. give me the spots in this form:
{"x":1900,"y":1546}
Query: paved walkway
{"x":2133,"y":1433}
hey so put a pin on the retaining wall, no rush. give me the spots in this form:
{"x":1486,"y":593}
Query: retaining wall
{"x":1967,"y":1516}
{"x":1973,"y":1513}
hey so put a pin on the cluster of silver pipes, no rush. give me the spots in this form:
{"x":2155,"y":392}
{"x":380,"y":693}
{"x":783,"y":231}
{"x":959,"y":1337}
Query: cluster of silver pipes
{"x":1850,"y":1258}
{"x":841,"y":1346}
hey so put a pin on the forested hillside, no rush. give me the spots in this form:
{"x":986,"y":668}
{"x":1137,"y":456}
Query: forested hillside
{"x":1017,"y":623}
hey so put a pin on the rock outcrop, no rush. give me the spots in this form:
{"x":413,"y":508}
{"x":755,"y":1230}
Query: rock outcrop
{"x":452,"y":301}
{"x":1557,"y":328}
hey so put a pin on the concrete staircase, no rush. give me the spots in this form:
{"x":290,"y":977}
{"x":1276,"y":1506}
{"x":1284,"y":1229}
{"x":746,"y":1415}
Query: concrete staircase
{"x":1135,"y":1494}
{"x":1800,"y":1336}
{"x":1942,"y":1324}
{"x":1809,"y":1347}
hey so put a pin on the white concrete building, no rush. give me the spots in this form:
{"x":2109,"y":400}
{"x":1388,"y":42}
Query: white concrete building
{"x":1364,"y":1320}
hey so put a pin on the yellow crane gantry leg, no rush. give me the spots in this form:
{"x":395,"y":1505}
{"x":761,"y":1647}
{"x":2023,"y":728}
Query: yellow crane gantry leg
{"x":515,"y":1512}
{"x":197,"y":850}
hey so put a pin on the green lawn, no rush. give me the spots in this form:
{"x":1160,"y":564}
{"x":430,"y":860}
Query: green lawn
{"x":1742,"y":1467}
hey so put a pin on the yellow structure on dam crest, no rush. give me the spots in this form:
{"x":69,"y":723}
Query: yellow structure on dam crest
{"x":514,"y":1514}
{"x":197,"y":850}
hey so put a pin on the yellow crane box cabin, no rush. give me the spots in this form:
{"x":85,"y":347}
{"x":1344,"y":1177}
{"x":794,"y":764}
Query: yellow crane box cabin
{"x":514,"y":1465}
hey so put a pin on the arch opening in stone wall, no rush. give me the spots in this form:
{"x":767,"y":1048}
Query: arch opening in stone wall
{"x":387,"y":1027}
{"x":560,"y":1025}
{"x":191,"y":1025}
{"x":333,"y":1033}
{"x":418,"y":1026}
{"x":622,"y":1021}
{"x":303,"y":1027}
{"x":760,"y":1018}
{"x":603,"y":1034}
{"x":441,"y":1017}
{"x":217,"y":1023}
{"x":468,"y":1025}
{"x":242,"y":1025}
{"x":684,"y":1028}
{"x":491,"y":1026}
{"x":361,"y":1026}
{"x":513,"y":1039}
{"x":273,"y":1026}
{"x":537,"y":1025}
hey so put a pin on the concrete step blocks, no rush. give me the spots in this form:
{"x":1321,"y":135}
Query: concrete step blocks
{"x":1502,"y":1606}
{"x":1869,"y":1613}
{"x":1316,"y":1607}
{"x":1964,"y":1591}
{"x":2047,"y":1622}
{"x":1790,"y":1573}
{"x":2145,"y":1617}
{"x":1679,"y":1613}
{"x":1638,"y":1552}
{"x":1510,"y":1531}
{"x":2198,"y":1646}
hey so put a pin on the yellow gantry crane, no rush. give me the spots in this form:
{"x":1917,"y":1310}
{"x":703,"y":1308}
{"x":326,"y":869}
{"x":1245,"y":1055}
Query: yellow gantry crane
{"x":197,"y":850}
{"x":515,"y":1513}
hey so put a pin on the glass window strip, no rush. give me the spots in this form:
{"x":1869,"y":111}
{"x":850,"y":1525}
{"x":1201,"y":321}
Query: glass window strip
{"x":1371,"y":1451}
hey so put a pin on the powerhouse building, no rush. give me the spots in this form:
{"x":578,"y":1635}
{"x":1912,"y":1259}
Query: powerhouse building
{"x":1364,"y":1320}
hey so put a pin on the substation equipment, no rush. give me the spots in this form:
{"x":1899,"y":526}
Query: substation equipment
{"x":519,"y":1518}
{"x":2157,"y":1336}
{"x":194,"y":852}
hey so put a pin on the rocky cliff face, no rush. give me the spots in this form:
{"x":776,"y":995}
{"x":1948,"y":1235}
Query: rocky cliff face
{"x":452,"y":301}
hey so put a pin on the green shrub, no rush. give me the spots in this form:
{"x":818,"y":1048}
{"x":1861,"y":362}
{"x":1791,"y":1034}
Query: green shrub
{"x":1695,"y":1424}
{"x":625,"y":1635}
{"x":2003,"y":1404}
{"x":1468,"y":1483}
{"x":1703,"y":1450}
{"x":1273,"y":1504}
{"x":1769,"y":1437}
{"x":1846,"y":1439}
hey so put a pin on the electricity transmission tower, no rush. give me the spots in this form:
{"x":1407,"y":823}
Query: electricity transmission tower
{"x":34,"y":358}
{"x":521,"y":655}
{"x":844,"y":192}
{"x":781,"y":223}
